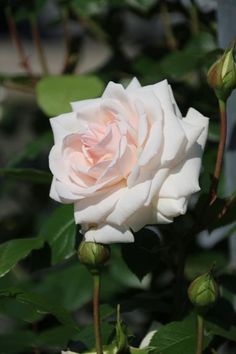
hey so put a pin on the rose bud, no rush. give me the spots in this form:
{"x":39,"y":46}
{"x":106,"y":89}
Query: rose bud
{"x":222,"y":75}
{"x":93,"y":255}
{"x":203,"y":291}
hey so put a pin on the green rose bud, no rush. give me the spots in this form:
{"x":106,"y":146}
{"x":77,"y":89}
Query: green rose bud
{"x":93,"y":255}
{"x":203,"y":291}
{"x":222,"y":75}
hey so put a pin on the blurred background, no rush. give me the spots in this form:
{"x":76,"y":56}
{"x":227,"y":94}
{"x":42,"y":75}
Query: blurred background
{"x":95,"y":41}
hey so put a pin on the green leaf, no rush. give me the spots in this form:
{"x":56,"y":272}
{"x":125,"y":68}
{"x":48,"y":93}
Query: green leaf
{"x":18,"y":310}
{"x":177,"y":337}
{"x":140,"y":350}
{"x":201,"y":262}
{"x":214,"y":132}
{"x":141,"y":256}
{"x":13,"y":251}
{"x":42,"y":304}
{"x":56,"y":337}
{"x":229,"y":333}
{"x":73,"y":283}
{"x":86,"y":335}
{"x":54,"y":93}
{"x":17,"y":342}
{"x":60,"y":231}
{"x":27,"y":175}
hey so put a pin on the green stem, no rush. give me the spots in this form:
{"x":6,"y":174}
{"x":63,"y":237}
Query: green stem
{"x":200,"y":334}
{"x":220,"y":153}
{"x":96,"y":312}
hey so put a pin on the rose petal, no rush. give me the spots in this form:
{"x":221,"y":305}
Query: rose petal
{"x":133,"y":85}
{"x":153,"y":145}
{"x":53,"y":192}
{"x":142,"y":217}
{"x":161,"y":90}
{"x":175,"y":139}
{"x":63,"y":125}
{"x":87,"y":210}
{"x":161,"y":219}
{"x":128,"y":204}
{"x":171,"y":208}
{"x":78,"y":105}
{"x":117,"y":92}
{"x":175,"y":106}
{"x":108,"y":233}
{"x":183,"y":179}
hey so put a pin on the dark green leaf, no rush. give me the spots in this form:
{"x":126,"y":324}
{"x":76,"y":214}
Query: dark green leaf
{"x":86,"y":335}
{"x":42,"y":304}
{"x":56,"y":337}
{"x":214,"y":132}
{"x":201,"y":262}
{"x":177,"y":337}
{"x":13,"y":251}
{"x":141,"y":256}
{"x":16,"y":342}
{"x":19,"y":310}
{"x":26,"y":175}
{"x":60,"y":231}
{"x":54,"y":93}
{"x":229,"y":334}
{"x":71,"y":286}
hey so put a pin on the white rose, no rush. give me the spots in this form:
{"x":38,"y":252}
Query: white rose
{"x":126,"y":159}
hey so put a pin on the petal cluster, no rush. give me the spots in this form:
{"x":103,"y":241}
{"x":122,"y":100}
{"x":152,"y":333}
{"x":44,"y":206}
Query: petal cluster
{"x":126,"y":159}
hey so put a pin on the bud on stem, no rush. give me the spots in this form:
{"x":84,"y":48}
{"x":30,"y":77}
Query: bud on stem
{"x":93,"y":255}
{"x":222,"y":75}
{"x":203,"y":291}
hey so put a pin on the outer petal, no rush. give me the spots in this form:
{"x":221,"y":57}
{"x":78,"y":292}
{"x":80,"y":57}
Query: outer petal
{"x":175,"y":106}
{"x":95,"y":209}
{"x":144,"y":216}
{"x":133,"y":199}
{"x":63,"y":125}
{"x":77,"y":105}
{"x":162,"y":91}
{"x":133,"y":85}
{"x":172,"y":207}
{"x":175,"y":139}
{"x":183,"y":179}
{"x":53,"y":192}
{"x":108,"y":233}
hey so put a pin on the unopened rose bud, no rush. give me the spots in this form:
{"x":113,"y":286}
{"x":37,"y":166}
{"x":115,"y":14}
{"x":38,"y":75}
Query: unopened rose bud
{"x":203,"y":291}
{"x":222,"y":75}
{"x":93,"y":255}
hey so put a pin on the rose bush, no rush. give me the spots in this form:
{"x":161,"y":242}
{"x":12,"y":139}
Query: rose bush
{"x":126,"y":159}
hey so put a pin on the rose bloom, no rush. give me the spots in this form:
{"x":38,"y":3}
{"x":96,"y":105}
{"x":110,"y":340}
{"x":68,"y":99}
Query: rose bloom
{"x":126,"y":160}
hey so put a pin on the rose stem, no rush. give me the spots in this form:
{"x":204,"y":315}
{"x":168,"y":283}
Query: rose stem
{"x":200,"y":334}
{"x":220,"y":152}
{"x":17,"y":42}
{"x":38,"y":44}
{"x":166,"y":21}
{"x":96,"y":312}
{"x":194,"y":22}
